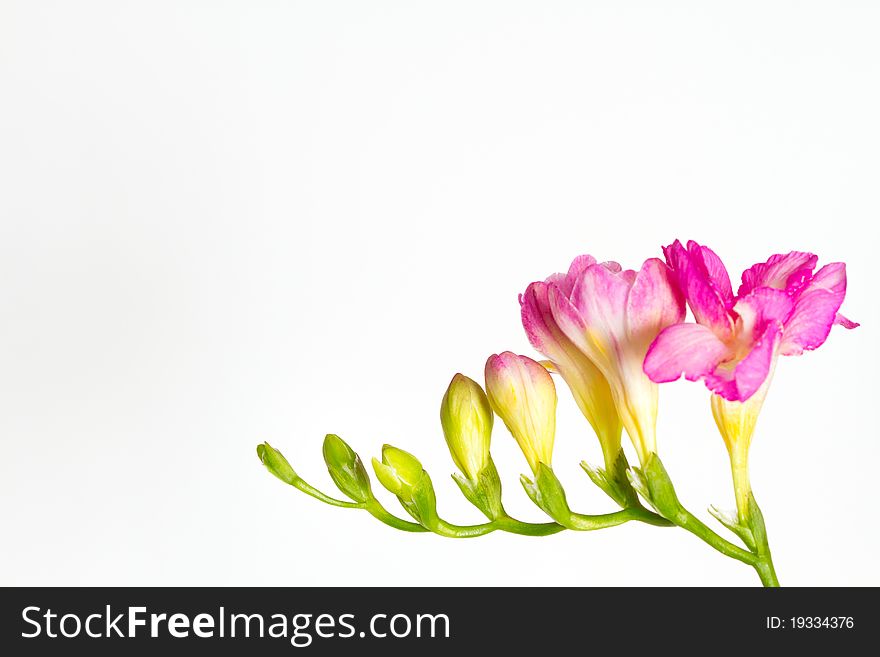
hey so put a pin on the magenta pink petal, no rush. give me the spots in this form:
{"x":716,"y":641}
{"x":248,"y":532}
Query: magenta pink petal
{"x":840,"y":320}
{"x":691,"y":350}
{"x":815,"y":310}
{"x":749,"y":375}
{"x":790,"y":272}
{"x":706,"y":292}
{"x":811,"y":322}
{"x":715,"y":270}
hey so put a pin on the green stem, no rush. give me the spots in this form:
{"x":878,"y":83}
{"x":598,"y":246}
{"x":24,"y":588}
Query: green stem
{"x":581,"y":522}
{"x":308,"y":489}
{"x":372,"y":506}
{"x":661,"y":493}
{"x":767,"y":573}
{"x":503,"y":523}
{"x":764,"y":565}
{"x":513,"y":526}
{"x":375,"y":509}
{"x":687,"y":520}
{"x":642,"y":514}
{"x":576,"y":522}
{"x":449,"y":530}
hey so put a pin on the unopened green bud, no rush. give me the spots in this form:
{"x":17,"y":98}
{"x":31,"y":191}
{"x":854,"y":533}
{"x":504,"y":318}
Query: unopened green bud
{"x":467,"y":425}
{"x":402,"y":474}
{"x":399,"y":471}
{"x":346,"y":469}
{"x":276,"y":463}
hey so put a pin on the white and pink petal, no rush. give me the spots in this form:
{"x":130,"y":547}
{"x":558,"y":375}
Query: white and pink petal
{"x":600,"y":299}
{"x":654,"y":301}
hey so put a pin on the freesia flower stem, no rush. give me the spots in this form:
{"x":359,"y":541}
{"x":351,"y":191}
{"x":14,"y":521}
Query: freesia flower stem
{"x":686,"y":520}
{"x":308,"y":489}
{"x":375,"y":509}
{"x":581,"y":522}
{"x":658,"y":489}
{"x":514,"y":526}
{"x":449,"y":530}
{"x":642,"y":514}
{"x":760,"y":560}
{"x":576,"y":522}
{"x":372,"y":506}
{"x":767,"y":574}
{"x":502,"y":523}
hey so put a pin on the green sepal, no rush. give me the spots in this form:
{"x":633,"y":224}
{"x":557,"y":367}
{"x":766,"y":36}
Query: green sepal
{"x":346,"y":469}
{"x":615,"y":484}
{"x":657,"y":488}
{"x":422,"y":505}
{"x":599,"y":477}
{"x":485,"y":493}
{"x":757,"y":527}
{"x":637,"y":480}
{"x":547,"y":493}
{"x":730,"y":521}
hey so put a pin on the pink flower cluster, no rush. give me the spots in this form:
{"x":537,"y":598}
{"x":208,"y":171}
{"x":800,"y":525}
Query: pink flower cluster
{"x":614,"y":333}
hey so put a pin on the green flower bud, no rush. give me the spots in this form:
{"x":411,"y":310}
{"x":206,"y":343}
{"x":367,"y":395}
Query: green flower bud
{"x":346,"y":469}
{"x":399,"y":471}
{"x":276,"y":463}
{"x":402,"y":474}
{"x":467,"y":425}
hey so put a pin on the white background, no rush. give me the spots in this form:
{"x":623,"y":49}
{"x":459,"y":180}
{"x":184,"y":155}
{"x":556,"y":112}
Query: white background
{"x":223,"y":223}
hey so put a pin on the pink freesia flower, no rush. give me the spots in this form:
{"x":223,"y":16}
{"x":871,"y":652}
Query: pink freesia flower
{"x":600,"y":320}
{"x":588,"y":385}
{"x":781,"y":307}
